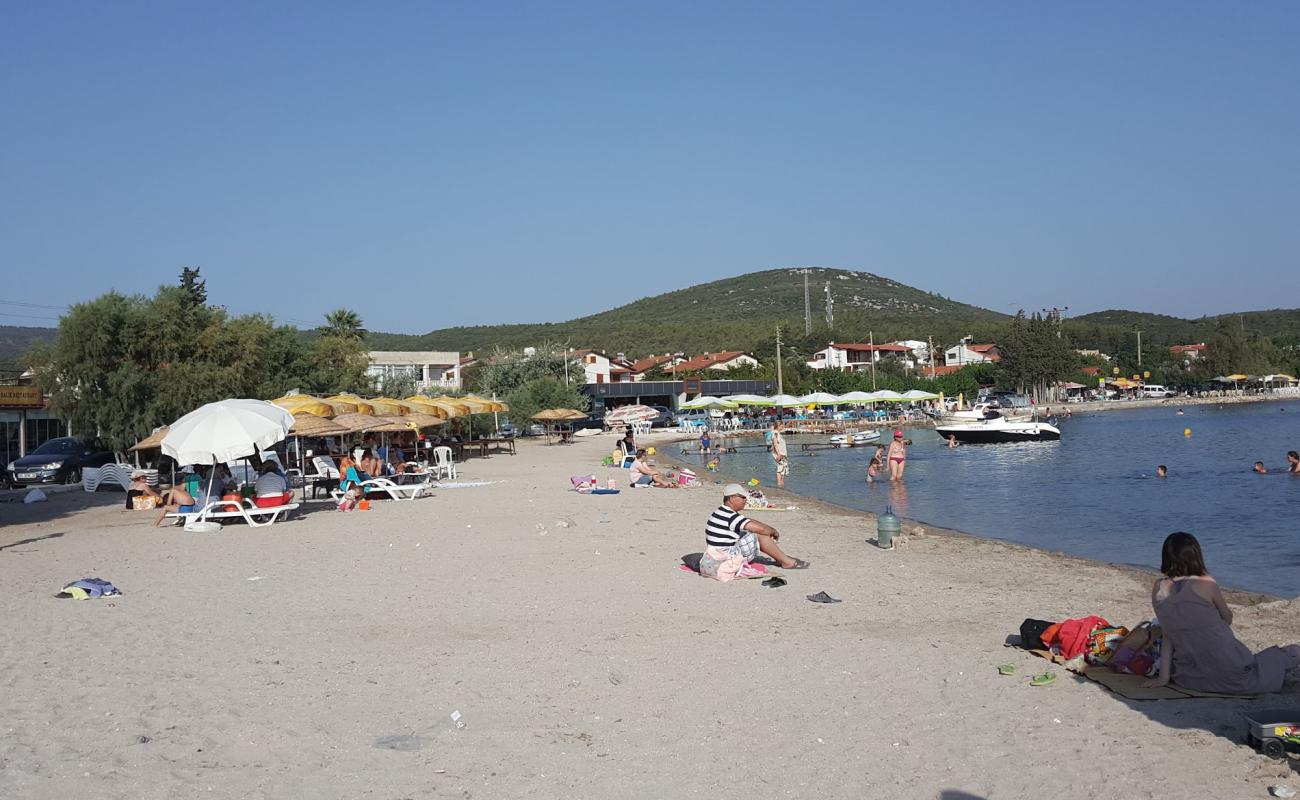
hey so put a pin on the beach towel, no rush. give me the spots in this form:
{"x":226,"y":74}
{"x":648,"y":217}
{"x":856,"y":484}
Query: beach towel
{"x":88,"y":588}
{"x":1130,"y":686}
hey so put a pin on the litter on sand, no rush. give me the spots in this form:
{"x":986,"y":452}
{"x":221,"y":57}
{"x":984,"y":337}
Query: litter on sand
{"x":402,"y":741}
{"x":455,"y":717}
{"x":88,"y":589}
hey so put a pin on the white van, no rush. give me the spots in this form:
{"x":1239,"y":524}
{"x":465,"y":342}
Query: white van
{"x":1156,"y":390}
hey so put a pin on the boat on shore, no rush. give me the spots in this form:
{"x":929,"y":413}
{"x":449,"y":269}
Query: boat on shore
{"x":999,"y":430}
{"x":981,"y":411}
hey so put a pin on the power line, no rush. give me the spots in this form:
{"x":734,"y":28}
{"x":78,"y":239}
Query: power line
{"x":32,"y":305}
{"x":27,"y":316}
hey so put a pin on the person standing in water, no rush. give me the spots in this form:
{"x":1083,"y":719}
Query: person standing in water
{"x":877,"y":463}
{"x":779,"y":455}
{"x":897,"y":457}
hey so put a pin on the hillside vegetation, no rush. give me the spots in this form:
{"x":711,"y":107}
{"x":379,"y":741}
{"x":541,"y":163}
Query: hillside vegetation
{"x":733,"y":313}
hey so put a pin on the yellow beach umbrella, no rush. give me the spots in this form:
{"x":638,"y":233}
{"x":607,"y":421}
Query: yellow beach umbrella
{"x":425,"y":405}
{"x":453,"y":406}
{"x":304,"y":404}
{"x":358,"y":406}
{"x":491,"y":405}
{"x":388,"y":407}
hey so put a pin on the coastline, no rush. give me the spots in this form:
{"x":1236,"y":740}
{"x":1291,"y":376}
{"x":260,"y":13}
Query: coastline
{"x":1235,"y":595}
{"x":325,"y":656}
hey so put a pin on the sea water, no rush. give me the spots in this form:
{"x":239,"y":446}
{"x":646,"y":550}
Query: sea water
{"x":1094,"y":493}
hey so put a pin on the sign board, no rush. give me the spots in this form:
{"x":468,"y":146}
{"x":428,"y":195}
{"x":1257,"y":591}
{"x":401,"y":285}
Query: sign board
{"x":691,"y":385}
{"x":21,"y":397}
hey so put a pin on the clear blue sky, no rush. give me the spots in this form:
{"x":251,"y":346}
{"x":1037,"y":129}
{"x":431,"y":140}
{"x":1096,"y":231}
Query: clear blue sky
{"x":433,"y":164}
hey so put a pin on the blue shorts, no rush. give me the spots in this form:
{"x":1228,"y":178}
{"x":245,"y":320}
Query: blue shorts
{"x":644,"y":480}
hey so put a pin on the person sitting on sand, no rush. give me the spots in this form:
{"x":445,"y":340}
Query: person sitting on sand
{"x":1162,"y":471}
{"x":732,"y":540}
{"x":140,"y":488}
{"x":1199,"y":650}
{"x":1259,"y":468}
{"x":1293,"y":462}
{"x":642,"y":474}
{"x":188,"y":496}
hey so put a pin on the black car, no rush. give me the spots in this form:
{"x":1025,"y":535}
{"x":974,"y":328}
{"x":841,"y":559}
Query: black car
{"x":666,"y":419}
{"x":57,"y":461}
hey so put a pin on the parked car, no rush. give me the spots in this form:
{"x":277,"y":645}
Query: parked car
{"x":594,"y":420}
{"x":666,"y":419}
{"x":57,"y":461}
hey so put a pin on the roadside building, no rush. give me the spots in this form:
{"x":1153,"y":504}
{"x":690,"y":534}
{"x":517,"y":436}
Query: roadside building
{"x":965,"y":353}
{"x":850,"y":357}
{"x":721,"y":362}
{"x":430,"y":369}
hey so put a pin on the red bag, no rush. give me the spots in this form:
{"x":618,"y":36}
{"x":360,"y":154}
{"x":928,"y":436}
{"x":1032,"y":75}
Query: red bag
{"x":1135,"y":655}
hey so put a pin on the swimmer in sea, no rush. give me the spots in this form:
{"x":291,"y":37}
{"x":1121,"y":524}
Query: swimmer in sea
{"x":1293,"y":462}
{"x":952,"y":441}
{"x":1259,"y":468}
{"x":1162,"y":471}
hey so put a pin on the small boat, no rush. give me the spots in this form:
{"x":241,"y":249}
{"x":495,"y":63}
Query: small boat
{"x":1000,"y":429}
{"x":855,"y":439}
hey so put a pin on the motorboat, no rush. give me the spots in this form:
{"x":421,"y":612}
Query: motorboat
{"x":985,"y":411}
{"x":855,"y":439}
{"x":999,"y":429}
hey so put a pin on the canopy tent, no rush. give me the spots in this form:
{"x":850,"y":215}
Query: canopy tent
{"x":709,"y":403}
{"x":888,"y":396}
{"x":425,"y":405}
{"x":748,"y":400}
{"x":917,"y":394}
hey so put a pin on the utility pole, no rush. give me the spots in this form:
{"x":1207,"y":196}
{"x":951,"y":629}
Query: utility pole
{"x":830,"y":307}
{"x":930,"y":355}
{"x":779,"y":387}
{"x":872,"y":334}
{"x":807,"y":307}
{"x":1139,"y":333}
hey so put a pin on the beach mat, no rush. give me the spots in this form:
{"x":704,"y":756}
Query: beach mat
{"x":1130,"y":686}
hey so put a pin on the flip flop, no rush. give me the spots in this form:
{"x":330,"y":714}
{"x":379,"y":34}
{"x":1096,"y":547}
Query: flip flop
{"x":774,"y":581}
{"x":799,"y":563}
{"x":822,"y":597}
{"x":1006,"y":669}
{"x":1046,"y":679}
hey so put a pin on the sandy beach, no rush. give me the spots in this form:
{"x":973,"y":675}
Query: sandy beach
{"x":324,"y":657}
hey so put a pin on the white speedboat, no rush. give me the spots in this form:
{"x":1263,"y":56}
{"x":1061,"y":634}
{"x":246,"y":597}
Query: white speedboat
{"x":981,"y":411}
{"x":1000,"y":429}
{"x":855,"y":439}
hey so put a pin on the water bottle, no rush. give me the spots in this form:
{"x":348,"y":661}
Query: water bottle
{"x":887,"y":527}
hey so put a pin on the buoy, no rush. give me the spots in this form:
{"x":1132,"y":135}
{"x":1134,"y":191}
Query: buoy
{"x":650,"y":451}
{"x":1187,"y":431}
{"x":753,"y":481}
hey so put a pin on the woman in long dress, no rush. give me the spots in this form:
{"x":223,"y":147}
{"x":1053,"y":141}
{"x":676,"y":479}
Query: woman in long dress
{"x":1199,"y":650}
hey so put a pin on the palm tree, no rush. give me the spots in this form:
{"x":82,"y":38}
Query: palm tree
{"x":343,"y":323}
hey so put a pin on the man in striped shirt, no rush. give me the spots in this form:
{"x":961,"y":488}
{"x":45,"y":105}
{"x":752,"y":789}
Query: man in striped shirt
{"x":731,"y":538}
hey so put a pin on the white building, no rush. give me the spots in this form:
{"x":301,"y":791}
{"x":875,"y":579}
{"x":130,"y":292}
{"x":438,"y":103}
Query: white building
{"x":431,"y":369}
{"x":600,"y":368}
{"x":965,"y":353}
{"x":856,"y":356}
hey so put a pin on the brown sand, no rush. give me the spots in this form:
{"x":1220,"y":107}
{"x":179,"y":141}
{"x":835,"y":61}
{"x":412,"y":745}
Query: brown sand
{"x":267,"y":663}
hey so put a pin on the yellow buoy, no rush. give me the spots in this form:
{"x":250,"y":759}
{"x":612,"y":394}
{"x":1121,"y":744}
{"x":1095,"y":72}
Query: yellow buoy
{"x":1187,"y":431}
{"x":650,"y":451}
{"x":753,"y":481}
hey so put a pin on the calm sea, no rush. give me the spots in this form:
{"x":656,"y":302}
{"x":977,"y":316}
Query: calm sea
{"x":1094,"y":493}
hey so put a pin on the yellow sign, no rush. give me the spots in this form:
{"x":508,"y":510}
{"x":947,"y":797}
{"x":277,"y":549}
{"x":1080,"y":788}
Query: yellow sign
{"x":1115,"y":370}
{"x":1146,"y":374}
{"x":21,"y":397}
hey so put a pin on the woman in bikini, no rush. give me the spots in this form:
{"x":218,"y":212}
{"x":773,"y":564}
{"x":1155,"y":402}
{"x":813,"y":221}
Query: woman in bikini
{"x":897,"y":457}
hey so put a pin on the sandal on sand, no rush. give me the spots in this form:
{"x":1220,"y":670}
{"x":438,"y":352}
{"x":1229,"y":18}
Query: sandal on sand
{"x":1006,"y":669}
{"x":799,"y":563}
{"x":1046,"y":679}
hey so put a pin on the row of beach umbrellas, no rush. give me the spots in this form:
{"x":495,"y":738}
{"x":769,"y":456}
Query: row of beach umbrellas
{"x":731,"y":402}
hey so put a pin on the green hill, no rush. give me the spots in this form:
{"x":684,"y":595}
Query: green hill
{"x":1279,"y":325}
{"x":15,"y":340}
{"x":733,"y":313}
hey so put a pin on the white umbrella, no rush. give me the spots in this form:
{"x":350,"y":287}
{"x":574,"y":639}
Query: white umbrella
{"x":917,"y":394}
{"x":821,"y":399}
{"x":786,"y":401}
{"x":226,"y":430}
{"x":858,"y":398}
{"x":749,"y":400}
{"x":633,"y":413}
{"x":707,"y":402}
{"x":887,"y":396}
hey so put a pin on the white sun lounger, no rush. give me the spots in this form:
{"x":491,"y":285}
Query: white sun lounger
{"x":255,"y":516}
{"x":397,"y":491}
